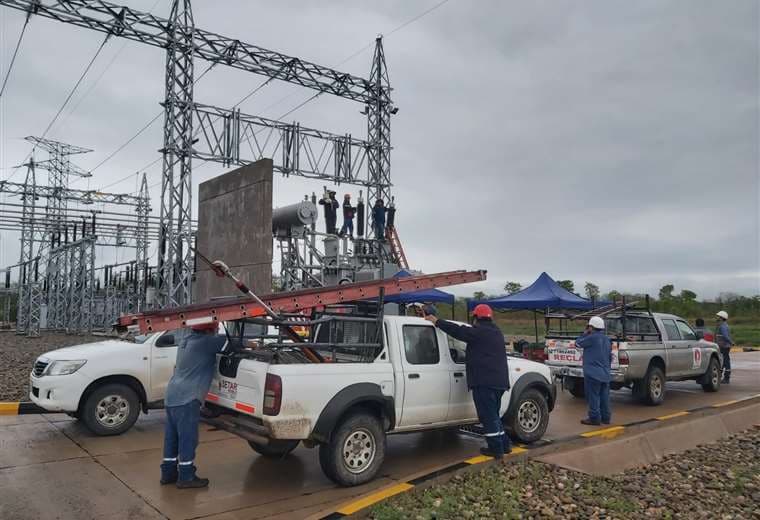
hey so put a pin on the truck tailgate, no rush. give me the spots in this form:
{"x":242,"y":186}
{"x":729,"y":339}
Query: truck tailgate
{"x":563,"y":352}
{"x":239,"y":386}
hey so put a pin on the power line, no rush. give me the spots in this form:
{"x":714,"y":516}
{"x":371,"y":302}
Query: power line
{"x":357,"y":53}
{"x":135,"y":136}
{"x":15,"y":53}
{"x":66,"y":101}
{"x":103,"y":72}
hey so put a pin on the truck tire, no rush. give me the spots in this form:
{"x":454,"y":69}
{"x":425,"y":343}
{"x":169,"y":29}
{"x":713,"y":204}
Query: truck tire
{"x":711,"y":379}
{"x":575,"y":387}
{"x":275,"y":449}
{"x":530,"y":417}
{"x":110,"y":409}
{"x":652,"y":387}
{"x":355,"y":452}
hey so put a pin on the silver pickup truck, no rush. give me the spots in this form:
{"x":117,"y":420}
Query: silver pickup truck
{"x":648,"y":349}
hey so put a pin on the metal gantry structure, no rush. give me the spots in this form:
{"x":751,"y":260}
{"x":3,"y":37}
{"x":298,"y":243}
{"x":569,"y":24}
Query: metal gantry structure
{"x":341,"y":158}
{"x":56,"y":270}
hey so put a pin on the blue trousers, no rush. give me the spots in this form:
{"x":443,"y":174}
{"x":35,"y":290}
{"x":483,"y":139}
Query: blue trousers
{"x":487,"y":403}
{"x":348,"y":225}
{"x":598,"y":398}
{"x":379,"y":229}
{"x":726,"y":352}
{"x":180,"y":441}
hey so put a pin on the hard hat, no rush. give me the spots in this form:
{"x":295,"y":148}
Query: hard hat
{"x":722,"y":314}
{"x":209,"y":325}
{"x":482,"y":311}
{"x":596,"y":322}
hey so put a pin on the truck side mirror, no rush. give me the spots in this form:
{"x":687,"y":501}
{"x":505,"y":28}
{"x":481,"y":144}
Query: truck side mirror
{"x":167,"y":340}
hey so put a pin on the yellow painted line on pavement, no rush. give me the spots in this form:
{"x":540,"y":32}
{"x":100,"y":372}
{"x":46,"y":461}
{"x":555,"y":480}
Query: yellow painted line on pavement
{"x":485,"y":458}
{"x":671,"y":416}
{"x":606,"y":433}
{"x":719,"y":405}
{"x":9,"y":408}
{"x":478,"y":460}
{"x":367,"y":501}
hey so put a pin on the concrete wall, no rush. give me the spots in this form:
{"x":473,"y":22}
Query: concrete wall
{"x":235,"y":225}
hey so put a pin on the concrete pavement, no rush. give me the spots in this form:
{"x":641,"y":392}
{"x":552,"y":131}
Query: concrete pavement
{"x":52,"y":467}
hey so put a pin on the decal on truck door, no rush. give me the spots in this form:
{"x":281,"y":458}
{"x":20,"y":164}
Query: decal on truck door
{"x":696,"y":358}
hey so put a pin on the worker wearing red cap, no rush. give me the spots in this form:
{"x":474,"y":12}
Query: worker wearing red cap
{"x":185,"y":393}
{"x":487,"y":373}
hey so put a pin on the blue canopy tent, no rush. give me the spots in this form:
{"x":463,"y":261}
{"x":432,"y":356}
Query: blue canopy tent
{"x":540,"y":296}
{"x":425,"y":296}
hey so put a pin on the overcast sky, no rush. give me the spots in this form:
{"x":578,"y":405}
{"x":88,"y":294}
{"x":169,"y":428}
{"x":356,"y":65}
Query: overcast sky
{"x":606,"y":141}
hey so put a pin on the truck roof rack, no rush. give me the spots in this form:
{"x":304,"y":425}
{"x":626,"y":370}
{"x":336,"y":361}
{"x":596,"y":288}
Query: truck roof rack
{"x":290,"y":302}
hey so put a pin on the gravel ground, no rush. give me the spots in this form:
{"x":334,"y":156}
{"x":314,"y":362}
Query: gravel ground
{"x":719,"y":481}
{"x":17,"y":356}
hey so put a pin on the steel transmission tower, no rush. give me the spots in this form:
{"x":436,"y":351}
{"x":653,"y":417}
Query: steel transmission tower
{"x":182,"y":42}
{"x":141,"y":243}
{"x":176,"y":239}
{"x":379,"y":111}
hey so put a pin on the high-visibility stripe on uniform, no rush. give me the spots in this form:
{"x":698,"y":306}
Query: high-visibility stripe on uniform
{"x":171,"y":460}
{"x":185,"y":463}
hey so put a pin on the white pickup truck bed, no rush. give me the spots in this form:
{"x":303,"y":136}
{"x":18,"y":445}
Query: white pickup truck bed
{"x":416,"y":382}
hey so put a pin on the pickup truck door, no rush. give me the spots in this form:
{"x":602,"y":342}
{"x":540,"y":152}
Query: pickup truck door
{"x":163,"y":354}
{"x":677,"y":350}
{"x":426,"y":374}
{"x":694,"y":361}
{"x":461,"y":406}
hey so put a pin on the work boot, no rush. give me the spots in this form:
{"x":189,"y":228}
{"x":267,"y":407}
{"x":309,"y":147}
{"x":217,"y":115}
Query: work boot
{"x":169,"y":472}
{"x":726,"y":381}
{"x":196,"y":482}
{"x":488,"y":453}
{"x":169,"y":478}
{"x":591,"y":422}
{"x":606,"y":422}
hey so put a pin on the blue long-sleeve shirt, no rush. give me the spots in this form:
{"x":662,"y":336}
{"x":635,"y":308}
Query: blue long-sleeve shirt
{"x":597,"y":355}
{"x":723,"y":337}
{"x":194,"y":369}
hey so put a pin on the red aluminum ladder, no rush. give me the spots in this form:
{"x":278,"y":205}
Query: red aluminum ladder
{"x":397,"y":249}
{"x":294,"y":301}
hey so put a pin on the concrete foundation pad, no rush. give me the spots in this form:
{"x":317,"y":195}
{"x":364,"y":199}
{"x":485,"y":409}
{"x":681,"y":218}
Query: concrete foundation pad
{"x":79,"y":488}
{"x":33,"y":443}
{"x":656,"y":441}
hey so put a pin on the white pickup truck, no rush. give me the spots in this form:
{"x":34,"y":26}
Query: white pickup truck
{"x":106,"y":384}
{"x":347,"y":403}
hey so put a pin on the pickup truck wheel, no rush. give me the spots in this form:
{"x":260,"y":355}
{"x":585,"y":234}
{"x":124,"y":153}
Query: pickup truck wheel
{"x":575,"y":387}
{"x":355,"y":452}
{"x":276,"y":448}
{"x":530,"y":418}
{"x":653,"y":386}
{"x":712,"y":377}
{"x":110,"y":409}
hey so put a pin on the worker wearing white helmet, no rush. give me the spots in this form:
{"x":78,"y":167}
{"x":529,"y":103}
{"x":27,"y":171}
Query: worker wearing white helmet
{"x":724,"y":341}
{"x":597,"y":352}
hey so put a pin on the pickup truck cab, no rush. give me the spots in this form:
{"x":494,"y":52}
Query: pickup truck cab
{"x":348,"y":403}
{"x":648,"y":349}
{"x":105,"y":384}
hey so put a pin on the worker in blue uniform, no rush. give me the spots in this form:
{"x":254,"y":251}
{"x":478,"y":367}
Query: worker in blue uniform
{"x":487,"y":373}
{"x":597,"y":358}
{"x":724,"y":341}
{"x":186,"y":392}
{"x":378,"y":219}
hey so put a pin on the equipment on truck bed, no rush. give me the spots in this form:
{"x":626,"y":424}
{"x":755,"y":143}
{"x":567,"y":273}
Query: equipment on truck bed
{"x":229,"y":309}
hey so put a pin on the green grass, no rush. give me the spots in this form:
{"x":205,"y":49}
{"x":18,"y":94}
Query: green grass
{"x":745,"y":329}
